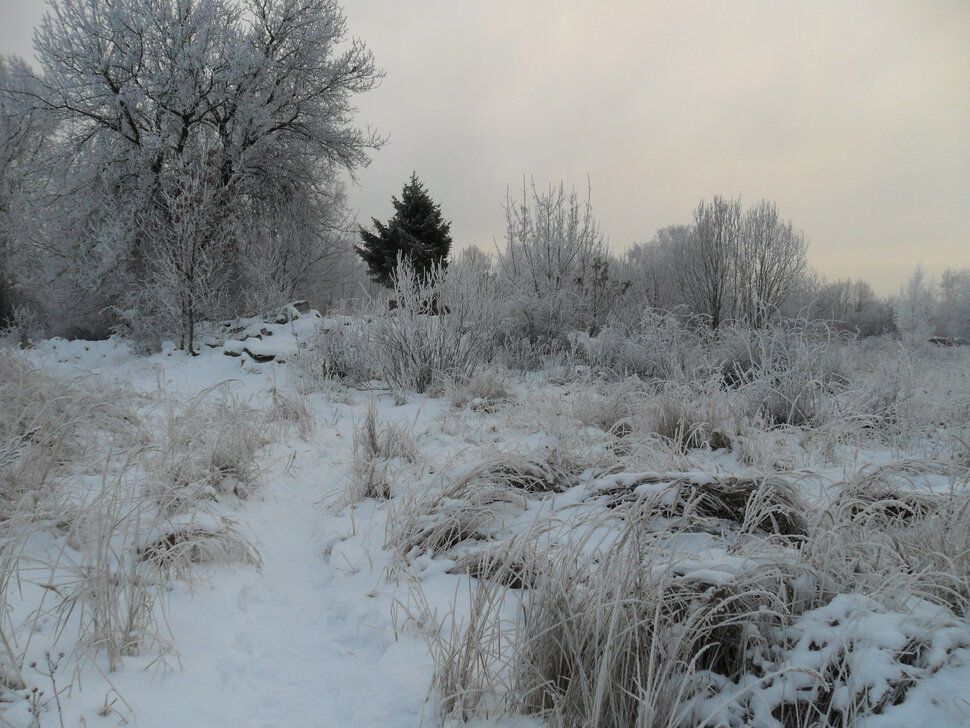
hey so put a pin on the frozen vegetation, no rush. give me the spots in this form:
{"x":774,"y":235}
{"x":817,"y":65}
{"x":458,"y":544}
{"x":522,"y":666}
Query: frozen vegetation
{"x":670,"y":527}
{"x":693,"y":484}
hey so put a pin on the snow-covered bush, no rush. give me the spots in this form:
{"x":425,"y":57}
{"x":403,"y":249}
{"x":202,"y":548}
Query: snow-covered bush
{"x":444,"y":325}
{"x":375,"y":445}
{"x":850,"y":661}
{"x":208,"y":448}
{"x":341,"y":348}
{"x":785,"y":370}
{"x":657,"y":346}
{"x":622,"y":646}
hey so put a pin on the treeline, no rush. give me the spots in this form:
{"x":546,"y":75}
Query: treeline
{"x":728,"y":265}
{"x":922,"y":308}
{"x":176,"y":161}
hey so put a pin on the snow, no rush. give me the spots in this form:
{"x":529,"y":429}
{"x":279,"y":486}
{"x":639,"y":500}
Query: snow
{"x":308,"y":639}
{"x":302,"y":642}
{"x":326,"y":632}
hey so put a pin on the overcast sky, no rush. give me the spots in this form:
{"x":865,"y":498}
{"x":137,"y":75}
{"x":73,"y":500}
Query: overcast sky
{"x":854,"y":117}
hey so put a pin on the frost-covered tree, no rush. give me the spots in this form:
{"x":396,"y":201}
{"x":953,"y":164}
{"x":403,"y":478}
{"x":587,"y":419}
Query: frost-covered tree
{"x":952,"y":318}
{"x":708,"y":267}
{"x":260,"y":93}
{"x":913,"y":309}
{"x":735,"y":265}
{"x":474,"y":258}
{"x":650,"y":269}
{"x":417,"y":233}
{"x":22,"y":138}
{"x":770,"y":259}
{"x":556,"y":266}
{"x":189,"y":251}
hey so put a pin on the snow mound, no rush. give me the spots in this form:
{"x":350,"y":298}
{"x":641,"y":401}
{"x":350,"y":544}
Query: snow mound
{"x":856,"y":662}
{"x":86,"y":355}
{"x":265,"y":341}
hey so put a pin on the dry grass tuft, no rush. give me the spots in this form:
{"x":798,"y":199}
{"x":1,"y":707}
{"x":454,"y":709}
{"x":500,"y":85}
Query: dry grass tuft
{"x":769,"y":505}
{"x":208,"y":448}
{"x":50,"y":425}
{"x":119,"y":599}
{"x":484,"y":391}
{"x":291,"y":409}
{"x":785,"y":371}
{"x":505,"y":564}
{"x":448,"y":516}
{"x":473,"y":506}
{"x":375,"y":445}
{"x":622,"y":648}
{"x":694,"y":417}
{"x":613,"y":408}
{"x":95,"y":557}
{"x":519,"y":472}
{"x":176,"y":545}
{"x":897,"y":540}
{"x":615,"y":633}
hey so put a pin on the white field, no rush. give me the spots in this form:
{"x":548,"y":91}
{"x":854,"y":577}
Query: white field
{"x":195,"y":542}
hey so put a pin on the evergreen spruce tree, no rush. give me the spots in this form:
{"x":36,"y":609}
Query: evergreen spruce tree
{"x":417,"y":231}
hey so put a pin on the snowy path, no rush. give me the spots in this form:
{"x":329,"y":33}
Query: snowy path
{"x":306,"y":641}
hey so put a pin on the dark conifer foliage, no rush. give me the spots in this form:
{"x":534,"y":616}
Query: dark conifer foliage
{"x":417,"y":231}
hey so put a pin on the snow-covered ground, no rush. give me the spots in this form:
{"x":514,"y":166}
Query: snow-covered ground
{"x":307,"y":639}
{"x":340,"y":619}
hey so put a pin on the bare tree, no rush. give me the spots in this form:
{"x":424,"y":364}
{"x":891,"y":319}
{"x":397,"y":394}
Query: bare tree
{"x":555,"y":264}
{"x":22,"y":138}
{"x":913,"y":309}
{"x":138,"y":88}
{"x":770,"y":259}
{"x":708,"y":272}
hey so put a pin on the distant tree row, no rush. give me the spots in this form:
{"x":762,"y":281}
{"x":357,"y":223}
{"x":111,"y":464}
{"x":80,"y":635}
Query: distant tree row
{"x":557,"y":274}
{"x":737,"y":265}
{"x":177,"y":160}
{"x":678,"y":270}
